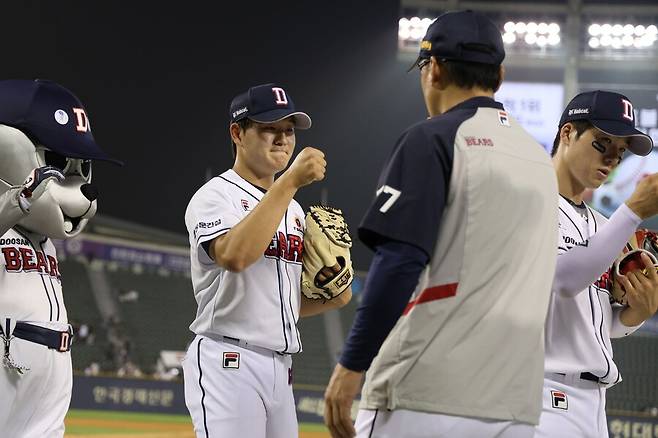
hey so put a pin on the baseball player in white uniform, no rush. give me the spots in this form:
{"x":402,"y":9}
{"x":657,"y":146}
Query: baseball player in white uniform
{"x":595,"y":130}
{"x":44,"y":127}
{"x":247,"y":238}
{"x":450,"y":327}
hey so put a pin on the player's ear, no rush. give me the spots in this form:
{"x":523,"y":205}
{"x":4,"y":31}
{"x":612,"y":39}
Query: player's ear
{"x":565,"y":132}
{"x":235,"y":132}
{"x":434,"y":75}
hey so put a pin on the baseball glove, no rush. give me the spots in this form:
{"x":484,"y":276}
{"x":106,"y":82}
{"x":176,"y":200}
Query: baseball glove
{"x":326,"y":242}
{"x":642,"y":241}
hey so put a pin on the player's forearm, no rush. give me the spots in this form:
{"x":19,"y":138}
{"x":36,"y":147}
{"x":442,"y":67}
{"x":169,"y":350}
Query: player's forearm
{"x":10,"y":210}
{"x":311,"y":307}
{"x":582,"y":265}
{"x":245,"y":243}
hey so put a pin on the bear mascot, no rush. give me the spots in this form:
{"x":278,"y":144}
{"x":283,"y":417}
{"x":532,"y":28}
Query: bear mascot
{"x":46,"y":155}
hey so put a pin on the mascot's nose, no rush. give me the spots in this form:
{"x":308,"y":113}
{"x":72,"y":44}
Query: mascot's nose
{"x":90,"y":192}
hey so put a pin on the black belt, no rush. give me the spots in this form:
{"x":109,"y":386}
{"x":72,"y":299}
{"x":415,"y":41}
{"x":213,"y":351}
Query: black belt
{"x":56,"y":340}
{"x":589,"y":376}
{"x":245,"y":344}
{"x":585,"y":376}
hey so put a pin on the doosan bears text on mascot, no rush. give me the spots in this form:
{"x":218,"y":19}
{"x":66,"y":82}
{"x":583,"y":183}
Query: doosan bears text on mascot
{"x":46,"y":151}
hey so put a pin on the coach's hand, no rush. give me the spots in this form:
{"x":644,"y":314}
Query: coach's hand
{"x":309,"y":166}
{"x":644,"y":200}
{"x":343,"y":387}
{"x":641,"y":293}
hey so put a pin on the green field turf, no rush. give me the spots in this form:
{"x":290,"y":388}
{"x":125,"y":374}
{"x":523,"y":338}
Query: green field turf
{"x":130,"y":423}
{"x":129,"y":416}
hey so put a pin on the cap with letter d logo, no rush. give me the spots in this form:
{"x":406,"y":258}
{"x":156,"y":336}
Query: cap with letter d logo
{"x":267,"y":103}
{"x":610,"y":112}
{"x":50,"y":114}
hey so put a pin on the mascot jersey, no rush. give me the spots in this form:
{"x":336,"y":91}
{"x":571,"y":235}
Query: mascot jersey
{"x":28,"y":265}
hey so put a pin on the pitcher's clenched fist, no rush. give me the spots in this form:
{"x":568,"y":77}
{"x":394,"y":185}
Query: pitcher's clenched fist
{"x":309,"y":166}
{"x":644,"y":200}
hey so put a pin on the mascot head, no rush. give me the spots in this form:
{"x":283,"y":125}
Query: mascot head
{"x":44,"y":124}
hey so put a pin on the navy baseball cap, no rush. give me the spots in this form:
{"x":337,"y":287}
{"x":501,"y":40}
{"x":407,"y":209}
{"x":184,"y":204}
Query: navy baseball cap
{"x":467,"y":36}
{"x":267,"y":103}
{"x":611,"y":113}
{"x":52,"y":115}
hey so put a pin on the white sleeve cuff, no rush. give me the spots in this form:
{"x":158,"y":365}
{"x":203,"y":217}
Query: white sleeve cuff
{"x":629,"y":214}
{"x":618,"y":329}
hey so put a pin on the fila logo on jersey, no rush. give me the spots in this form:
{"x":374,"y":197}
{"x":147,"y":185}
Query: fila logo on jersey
{"x":280,"y":96}
{"x":26,"y":260}
{"x":82,"y":121}
{"x":503,"y":119}
{"x":559,"y":400}
{"x":288,"y":247}
{"x":245,"y":204}
{"x":231,"y":360}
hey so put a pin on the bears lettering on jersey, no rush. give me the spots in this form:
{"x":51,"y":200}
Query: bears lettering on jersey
{"x":27,"y":260}
{"x":288,"y":247}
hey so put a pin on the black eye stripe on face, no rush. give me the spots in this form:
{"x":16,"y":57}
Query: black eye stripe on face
{"x":598,"y":146}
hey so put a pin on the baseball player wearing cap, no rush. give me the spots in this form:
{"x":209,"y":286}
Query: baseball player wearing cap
{"x":247,"y":238}
{"x":456,"y":297}
{"x":44,"y":135}
{"x":595,"y":130}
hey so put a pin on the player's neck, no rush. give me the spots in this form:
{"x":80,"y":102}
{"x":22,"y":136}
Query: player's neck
{"x":452,"y":96}
{"x":264,"y":181}
{"x":568,"y":186}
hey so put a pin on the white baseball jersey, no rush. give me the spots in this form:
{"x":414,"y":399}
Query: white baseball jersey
{"x":259,"y":305}
{"x":470,"y":342}
{"x":31,"y":292}
{"x":578,"y":328}
{"x":30,"y":281}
